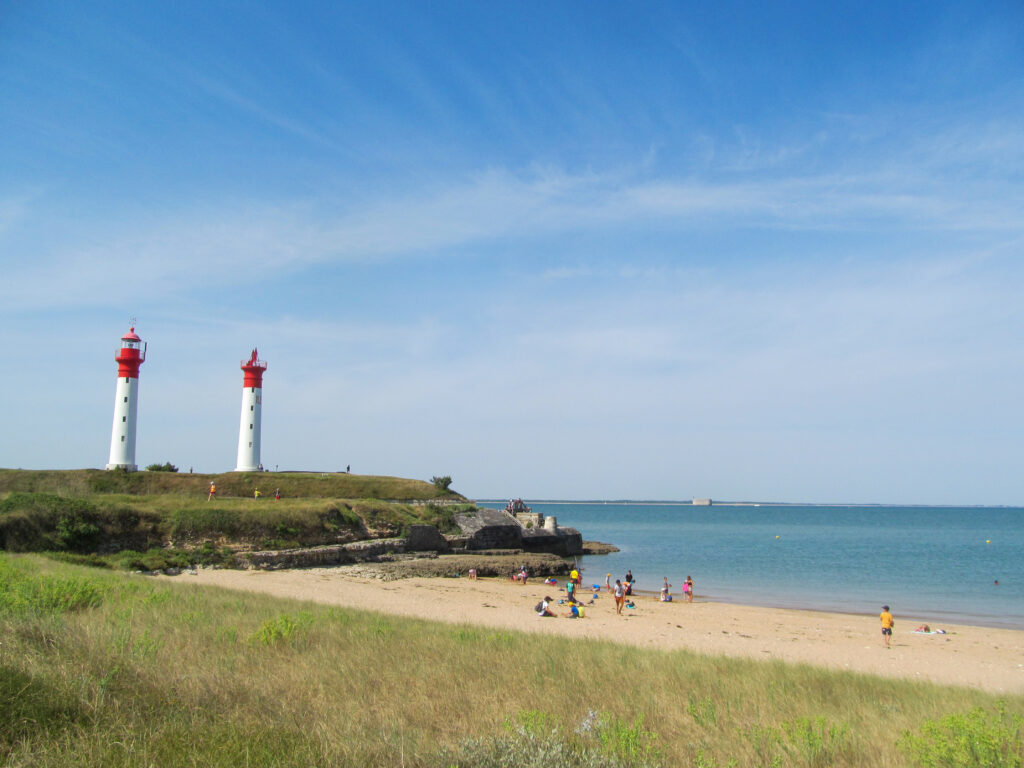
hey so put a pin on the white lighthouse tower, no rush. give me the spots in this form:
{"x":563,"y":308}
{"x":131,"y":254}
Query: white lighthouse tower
{"x":252,"y":414}
{"x":129,"y":357}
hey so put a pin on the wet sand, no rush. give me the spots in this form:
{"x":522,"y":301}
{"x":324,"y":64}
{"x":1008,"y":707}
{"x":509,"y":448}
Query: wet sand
{"x":978,"y":657}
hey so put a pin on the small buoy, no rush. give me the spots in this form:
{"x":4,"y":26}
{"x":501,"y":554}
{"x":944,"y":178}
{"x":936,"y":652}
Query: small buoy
{"x":777,"y":537}
{"x":988,"y":541}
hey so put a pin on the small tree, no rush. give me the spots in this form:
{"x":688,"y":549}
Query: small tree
{"x":166,"y":467}
{"x":442,"y":483}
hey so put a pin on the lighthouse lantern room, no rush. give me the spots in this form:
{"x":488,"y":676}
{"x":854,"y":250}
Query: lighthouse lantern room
{"x":252,"y":412}
{"x":130,"y":355}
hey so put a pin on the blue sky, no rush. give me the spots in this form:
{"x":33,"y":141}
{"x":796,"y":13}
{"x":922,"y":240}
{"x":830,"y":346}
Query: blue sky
{"x":577,"y":250}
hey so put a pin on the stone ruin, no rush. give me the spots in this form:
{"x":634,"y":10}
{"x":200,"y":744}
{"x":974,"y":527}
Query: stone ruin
{"x":495,"y":529}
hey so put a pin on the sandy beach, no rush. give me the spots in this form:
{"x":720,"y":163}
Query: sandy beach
{"x":978,"y":657}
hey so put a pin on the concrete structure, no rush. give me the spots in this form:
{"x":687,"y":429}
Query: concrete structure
{"x":252,"y":415}
{"x":490,"y":529}
{"x":129,"y":357}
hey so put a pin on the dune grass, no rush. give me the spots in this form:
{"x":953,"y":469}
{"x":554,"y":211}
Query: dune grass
{"x":107,"y":669}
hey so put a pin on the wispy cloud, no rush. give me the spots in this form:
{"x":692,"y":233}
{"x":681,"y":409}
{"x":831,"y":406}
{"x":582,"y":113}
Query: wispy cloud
{"x":256,"y":240}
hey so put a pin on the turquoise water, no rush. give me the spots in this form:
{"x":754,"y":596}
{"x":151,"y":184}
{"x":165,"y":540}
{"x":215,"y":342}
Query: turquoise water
{"x":931,"y":563}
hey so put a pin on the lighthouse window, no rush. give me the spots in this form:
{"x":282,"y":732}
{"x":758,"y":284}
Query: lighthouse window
{"x":122,"y":438}
{"x":124,"y":418}
{"x":252,"y":407}
{"x":125,"y":379}
{"x":250,"y":445}
{"x":250,"y":426}
{"x":126,"y":399}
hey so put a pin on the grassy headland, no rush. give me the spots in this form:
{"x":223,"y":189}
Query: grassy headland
{"x":107,"y":669}
{"x":103,"y":514}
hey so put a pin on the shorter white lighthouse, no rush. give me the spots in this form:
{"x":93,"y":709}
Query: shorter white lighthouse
{"x":252,"y":413}
{"x":129,"y":357}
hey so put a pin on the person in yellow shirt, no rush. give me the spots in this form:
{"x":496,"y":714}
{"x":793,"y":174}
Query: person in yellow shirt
{"x":256,"y":493}
{"x":887,"y":622}
{"x":213,"y":491}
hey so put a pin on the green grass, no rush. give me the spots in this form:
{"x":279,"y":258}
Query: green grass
{"x":303,"y":485}
{"x":121,"y":670}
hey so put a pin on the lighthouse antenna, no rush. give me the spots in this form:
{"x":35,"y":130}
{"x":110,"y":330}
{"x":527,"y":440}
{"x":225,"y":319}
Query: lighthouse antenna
{"x":131,"y":321}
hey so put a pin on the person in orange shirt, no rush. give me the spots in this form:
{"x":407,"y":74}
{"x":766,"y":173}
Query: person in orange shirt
{"x":213,"y":491}
{"x":887,"y":622}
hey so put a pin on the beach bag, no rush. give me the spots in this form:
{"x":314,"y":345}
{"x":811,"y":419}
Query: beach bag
{"x":539,"y":607}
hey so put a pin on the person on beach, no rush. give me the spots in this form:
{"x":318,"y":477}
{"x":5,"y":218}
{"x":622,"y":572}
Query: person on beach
{"x":608,"y":582}
{"x":575,"y":576}
{"x":688,"y":589}
{"x":256,"y":493}
{"x":472,"y":574}
{"x":620,"y":596}
{"x":213,"y":491}
{"x":277,"y":494}
{"x":570,"y":590}
{"x":887,"y":622}
{"x":664,"y":590}
{"x":574,"y":611}
{"x":543,"y":608}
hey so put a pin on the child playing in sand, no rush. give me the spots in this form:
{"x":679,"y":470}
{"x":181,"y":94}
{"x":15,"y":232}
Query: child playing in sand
{"x":543,"y":609}
{"x":887,"y":622}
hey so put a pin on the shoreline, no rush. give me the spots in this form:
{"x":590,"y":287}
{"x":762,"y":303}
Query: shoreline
{"x":985,"y":658}
{"x":911,"y":615}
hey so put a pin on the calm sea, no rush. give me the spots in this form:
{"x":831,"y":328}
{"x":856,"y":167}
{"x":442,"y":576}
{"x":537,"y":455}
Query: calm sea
{"x":930,"y":563}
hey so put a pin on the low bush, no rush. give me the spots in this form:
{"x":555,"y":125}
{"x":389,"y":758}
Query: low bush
{"x":165,"y":467}
{"x":979,"y":738}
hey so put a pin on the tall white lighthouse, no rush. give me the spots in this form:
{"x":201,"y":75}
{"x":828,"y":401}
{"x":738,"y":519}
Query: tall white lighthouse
{"x":252,"y":412}
{"x":129,"y":357}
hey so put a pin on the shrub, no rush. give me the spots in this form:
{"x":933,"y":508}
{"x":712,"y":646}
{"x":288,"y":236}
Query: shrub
{"x":442,"y":483}
{"x":281,"y":630}
{"x":978,"y":738}
{"x":38,"y":521}
{"x":165,"y":467}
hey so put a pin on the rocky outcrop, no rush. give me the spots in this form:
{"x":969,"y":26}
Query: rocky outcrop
{"x":335,"y":554}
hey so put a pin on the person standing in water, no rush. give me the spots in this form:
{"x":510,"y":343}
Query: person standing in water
{"x":688,"y":589}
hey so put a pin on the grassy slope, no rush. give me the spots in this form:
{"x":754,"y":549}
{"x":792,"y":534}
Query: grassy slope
{"x":175,"y":675}
{"x":307,"y":485}
{"x":87,"y":511}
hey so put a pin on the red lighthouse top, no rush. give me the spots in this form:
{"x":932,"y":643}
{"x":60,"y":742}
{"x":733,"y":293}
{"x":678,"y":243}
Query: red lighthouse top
{"x":131,"y":355}
{"x":253,"y":368}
